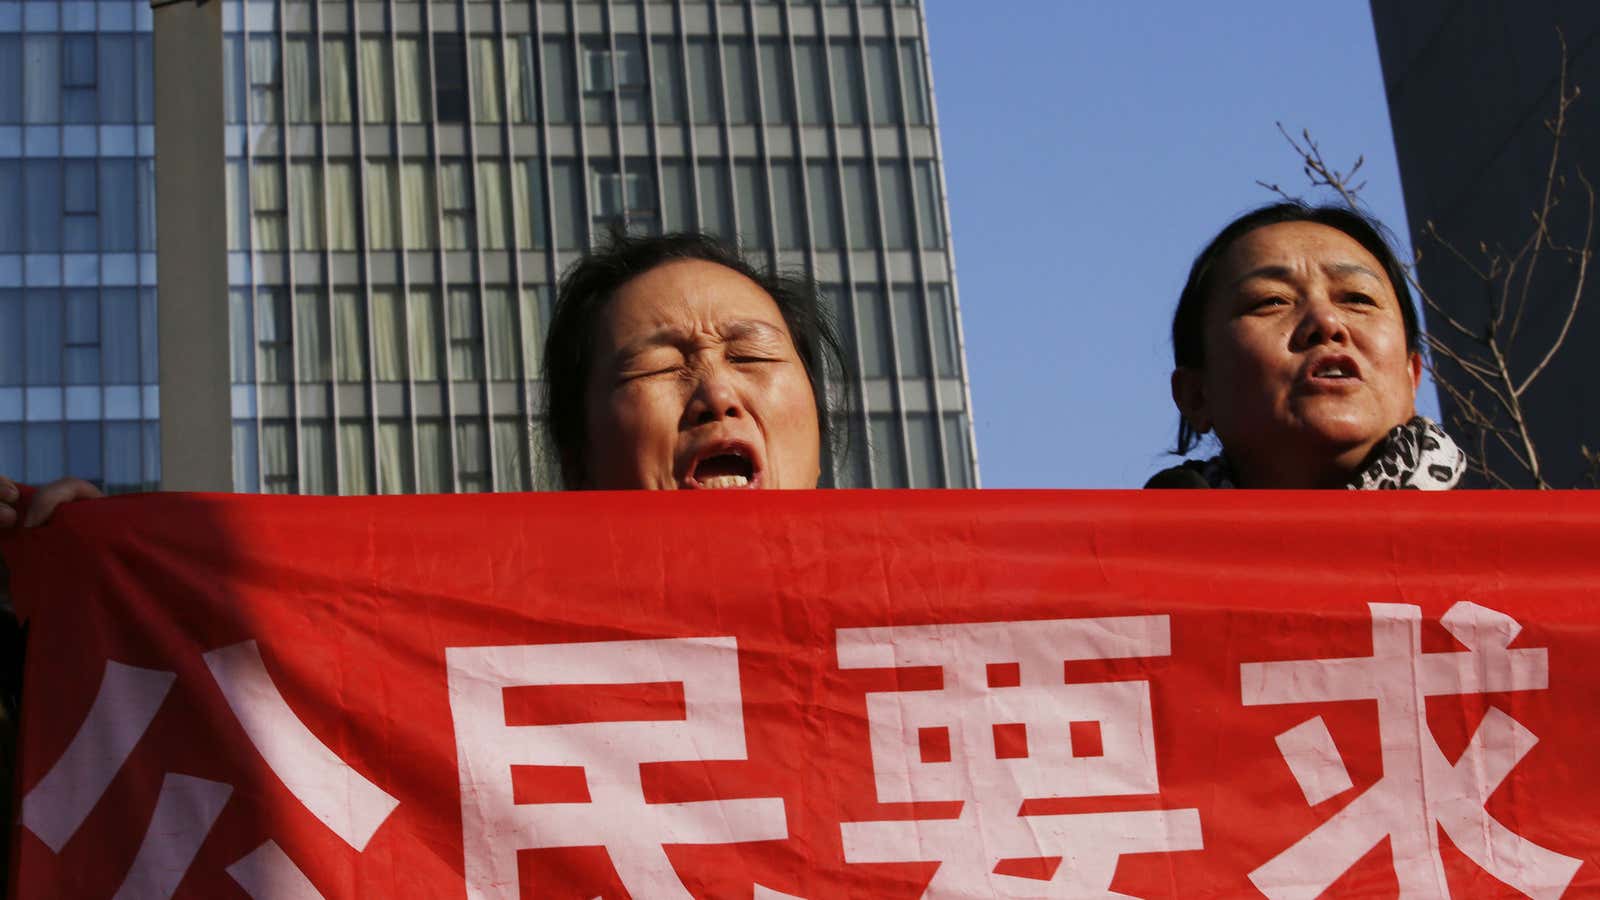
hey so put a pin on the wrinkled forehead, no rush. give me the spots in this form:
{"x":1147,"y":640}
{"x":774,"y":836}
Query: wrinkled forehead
{"x":685,"y":296}
{"x":1283,"y":248}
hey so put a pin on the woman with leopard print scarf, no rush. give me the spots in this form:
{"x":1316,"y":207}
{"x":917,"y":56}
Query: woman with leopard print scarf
{"x":1296,"y":343}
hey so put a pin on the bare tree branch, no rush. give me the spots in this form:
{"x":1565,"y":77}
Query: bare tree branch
{"x":1486,"y":372}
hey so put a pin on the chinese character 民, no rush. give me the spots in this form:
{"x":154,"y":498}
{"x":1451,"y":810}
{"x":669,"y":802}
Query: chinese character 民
{"x":496,"y":826}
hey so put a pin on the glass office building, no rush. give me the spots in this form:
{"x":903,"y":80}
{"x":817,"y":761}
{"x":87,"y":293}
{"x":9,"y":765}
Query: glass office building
{"x":77,"y":244}
{"x":407,"y":180}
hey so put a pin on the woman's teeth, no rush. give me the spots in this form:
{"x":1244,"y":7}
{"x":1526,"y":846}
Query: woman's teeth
{"x":725,"y":481}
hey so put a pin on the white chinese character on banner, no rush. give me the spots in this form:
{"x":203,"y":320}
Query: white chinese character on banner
{"x":186,"y":808}
{"x":1420,"y":790}
{"x":1006,"y":727}
{"x":496,"y":826}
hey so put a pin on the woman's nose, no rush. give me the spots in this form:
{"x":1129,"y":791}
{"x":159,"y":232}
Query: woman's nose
{"x":714,"y":398}
{"x":1321,"y":323}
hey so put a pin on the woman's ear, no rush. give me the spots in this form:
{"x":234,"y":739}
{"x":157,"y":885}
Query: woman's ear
{"x":1416,"y":371}
{"x":1189,"y":395}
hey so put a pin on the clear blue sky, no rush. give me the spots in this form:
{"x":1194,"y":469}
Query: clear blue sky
{"x":1090,"y":150}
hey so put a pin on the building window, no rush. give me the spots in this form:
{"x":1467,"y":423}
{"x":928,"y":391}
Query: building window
{"x":872,"y":332}
{"x":929,"y":210}
{"x":11,"y":343}
{"x":888,"y":451}
{"x":417,"y":200}
{"x":466,"y":335}
{"x":349,"y":336}
{"x":755,"y":228}
{"x":303,"y":80}
{"x":494,"y":205}
{"x":317,"y":470}
{"x":847,"y":100}
{"x":305,"y":198}
{"x":80,"y":226}
{"x":394,"y":457}
{"x":487,"y":92}
{"x":882,"y":89}
{"x":383,"y":217}
{"x":41,"y":67}
{"x":501,"y":336}
{"x":120,"y":181}
{"x":788,"y":202}
{"x":377,"y":80}
{"x":827,"y":212}
{"x":311,"y":334}
{"x":911,"y":331}
{"x":338,"y":83}
{"x":777,"y":94}
{"x":532,"y":221}
{"x":456,"y":202}
{"x":355,"y":457}
{"x":42,"y":336}
{"x":11,"y":93}
{"x":265,"y":82}
{"x":343,"y":210}
{"x":667,"y":71}
{"x":740,"y":79}
{"x":78,"y":79}
{"x":705,"y":93}
{"x":119,"y":78}
{"x":472,"y":457}
{"x":42,"y":184}
{"x":279,"y":473}
{"x":716,"y":201}
{"x":561,"y":96}
{"x":450,"y":77}
{"x":633,"y":88}
{"x":916,"y":91}
{"x":274,"y":359}
{"x":13,"y":216}
{"x":412,"y":101}
{"x":624,"y":198}
{"x":895,"y":183}
{"x":268,"y":212}
{"x":433,"y":457}
{"x":388,"y":335}
{"x":82,"y":347}
{"x":957,"y":456}
{"x":523,"y":86}
{"x":425,"y":334}
{"x":119,"y":336}
{"x":859,"y":207}
{"x":812,"y":77}
{"x":922,"y":436}
{"x":942,"y":316}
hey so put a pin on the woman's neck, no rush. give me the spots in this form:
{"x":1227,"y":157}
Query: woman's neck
{"x":1310,"y":468}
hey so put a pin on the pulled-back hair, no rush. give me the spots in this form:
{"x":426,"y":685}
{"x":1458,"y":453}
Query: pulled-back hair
{"x":594,"y":280}
{"x":1188,"y":323}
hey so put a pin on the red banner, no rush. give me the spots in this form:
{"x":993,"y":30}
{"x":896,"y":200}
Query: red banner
{"x":819,"y":695}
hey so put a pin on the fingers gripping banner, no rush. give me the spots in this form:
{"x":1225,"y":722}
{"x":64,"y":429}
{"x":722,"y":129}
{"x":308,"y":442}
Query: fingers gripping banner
{"x":816,"y":695}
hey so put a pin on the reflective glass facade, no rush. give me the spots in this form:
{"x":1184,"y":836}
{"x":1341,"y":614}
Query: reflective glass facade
{"x":407,"y":180}
{"x":77,"y":244}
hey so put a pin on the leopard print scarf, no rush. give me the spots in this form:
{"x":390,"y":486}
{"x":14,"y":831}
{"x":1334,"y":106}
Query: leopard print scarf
{"x":1415,"y":456}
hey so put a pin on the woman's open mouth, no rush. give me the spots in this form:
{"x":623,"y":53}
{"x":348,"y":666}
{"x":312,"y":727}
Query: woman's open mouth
{"x":722,"y":468}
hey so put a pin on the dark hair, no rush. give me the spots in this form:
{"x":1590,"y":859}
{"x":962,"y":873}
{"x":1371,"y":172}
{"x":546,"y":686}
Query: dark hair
{"x":1188,"y":323}
{"x":594,"y":279}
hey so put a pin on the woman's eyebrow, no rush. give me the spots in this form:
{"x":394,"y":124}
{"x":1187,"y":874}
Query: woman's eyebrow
{"x":1350,"y":268}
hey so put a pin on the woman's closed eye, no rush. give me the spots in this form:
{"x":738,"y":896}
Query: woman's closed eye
{"x":1359,"y":299}
{"x":1268,"y":304}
